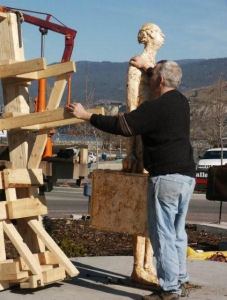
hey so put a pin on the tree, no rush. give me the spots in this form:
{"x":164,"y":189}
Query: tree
{"x":209,"y":115}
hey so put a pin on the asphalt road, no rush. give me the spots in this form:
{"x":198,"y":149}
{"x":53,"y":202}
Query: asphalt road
{"x":66,"y":201}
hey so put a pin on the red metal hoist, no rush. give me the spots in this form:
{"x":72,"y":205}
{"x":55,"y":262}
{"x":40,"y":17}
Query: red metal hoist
{"x":44,"y":26}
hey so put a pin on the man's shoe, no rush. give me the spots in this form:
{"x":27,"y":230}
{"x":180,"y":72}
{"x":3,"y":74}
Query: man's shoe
{"x":162,"y":296}
{"x":185,"y":291}
{"x":186,"y":287}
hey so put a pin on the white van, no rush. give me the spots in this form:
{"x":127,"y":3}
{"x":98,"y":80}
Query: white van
{"x":212,"y":157}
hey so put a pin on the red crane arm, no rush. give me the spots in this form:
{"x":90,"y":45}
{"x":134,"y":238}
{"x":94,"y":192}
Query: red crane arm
{"x":46,"y":24}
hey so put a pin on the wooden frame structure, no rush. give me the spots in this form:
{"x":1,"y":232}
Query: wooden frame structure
{"x":40,"y":261}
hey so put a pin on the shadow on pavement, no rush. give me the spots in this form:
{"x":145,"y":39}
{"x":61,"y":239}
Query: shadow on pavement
{"x":98,"y":279}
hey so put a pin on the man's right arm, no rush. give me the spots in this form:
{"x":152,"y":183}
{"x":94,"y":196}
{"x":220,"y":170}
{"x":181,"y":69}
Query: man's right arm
{"x":138,"y":121}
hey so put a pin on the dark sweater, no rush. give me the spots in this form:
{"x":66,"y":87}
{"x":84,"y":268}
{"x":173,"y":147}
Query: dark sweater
{"x":164,"y":124}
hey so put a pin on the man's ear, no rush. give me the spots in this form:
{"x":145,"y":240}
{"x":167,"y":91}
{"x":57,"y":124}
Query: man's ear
{"x":161,"y":80}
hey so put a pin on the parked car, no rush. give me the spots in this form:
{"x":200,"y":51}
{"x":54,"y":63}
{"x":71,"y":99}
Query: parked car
{"x":212,"y":157}
{"x":120,"y":155}
{"x":92,"y":158}
{"x":68,"y":152}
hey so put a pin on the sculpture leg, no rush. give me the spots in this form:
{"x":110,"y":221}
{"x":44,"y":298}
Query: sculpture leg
{"x":139,"y":274}
{"x":148,"y":260}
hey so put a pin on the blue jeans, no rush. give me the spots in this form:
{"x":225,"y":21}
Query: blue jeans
{"x":168,"y":199}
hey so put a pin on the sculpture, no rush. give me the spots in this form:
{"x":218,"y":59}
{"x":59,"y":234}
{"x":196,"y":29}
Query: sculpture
{"x":138,"y":91}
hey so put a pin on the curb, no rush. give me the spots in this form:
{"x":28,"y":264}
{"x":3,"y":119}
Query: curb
{"x":211,"y":228}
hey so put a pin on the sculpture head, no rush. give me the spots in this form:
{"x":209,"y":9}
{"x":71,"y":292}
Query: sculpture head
{"x":151,"y":34}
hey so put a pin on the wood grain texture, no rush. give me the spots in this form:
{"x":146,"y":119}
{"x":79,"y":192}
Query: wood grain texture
{"x":119,"y":202}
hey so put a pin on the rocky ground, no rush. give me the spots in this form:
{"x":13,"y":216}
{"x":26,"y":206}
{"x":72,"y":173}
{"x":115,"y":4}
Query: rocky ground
{"x":77,"y":238}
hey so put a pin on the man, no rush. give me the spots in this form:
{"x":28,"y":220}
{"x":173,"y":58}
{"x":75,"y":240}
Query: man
{"x":164,"y":124}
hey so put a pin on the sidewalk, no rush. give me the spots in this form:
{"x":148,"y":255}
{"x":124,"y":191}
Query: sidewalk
{"x":92,"y":282}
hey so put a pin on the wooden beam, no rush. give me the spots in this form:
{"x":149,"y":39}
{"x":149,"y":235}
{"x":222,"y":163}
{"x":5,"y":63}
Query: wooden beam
{"x":67,"y":121}
{"x":27,"y":207}
{"x":22,"y":177}
{"x":53,"y":275}
{"x":21,"y":247}
{"x":13,"y":277}
{"x":32,"y":283}
{"x":34,"y":118}
{"x":4,"y":285}
{"x":1,"y":181}
{"x":3,"y":216}
{"x":10,"y":270}
{"x":11,"y":194}
{"x":41,"y":139}
{"x":22,"y":67}
{"x":37,"y":150}
{"x":53,"y":247}
{"x":12,"y":114}
{"x":50,"y":71}
{"x":3,"y":16}
{"x":47,"y":258}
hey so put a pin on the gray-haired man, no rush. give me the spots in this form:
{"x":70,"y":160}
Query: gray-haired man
{"x":164,"y":124}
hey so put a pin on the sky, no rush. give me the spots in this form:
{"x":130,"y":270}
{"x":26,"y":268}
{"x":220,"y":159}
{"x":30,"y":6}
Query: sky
{"x":107,"y":29}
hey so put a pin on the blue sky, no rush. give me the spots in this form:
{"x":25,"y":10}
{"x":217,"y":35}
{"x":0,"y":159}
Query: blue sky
{"x":107,"y":29}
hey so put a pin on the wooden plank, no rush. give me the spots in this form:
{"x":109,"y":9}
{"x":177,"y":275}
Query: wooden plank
{"x":119,"y":202}
{"x":1,"y":181}
{"x":60,"y":114}
{"x":64,"y":122}
{"x":53,"y":275}
{"x":37,"y":150}
{"x":9,"y":266}
{"x":22,"y":67}
{"x":50,"y":71}
{"x":41,"y":139}
{"x":14,"y":277}
{"x":4,"y":285}
{"x":22,"y":177}
{"x":11,"y":194}
{"x":83,"y":156}
{"x":83,"y":170}
{"x":12,"y":114}
{"x":3,"y":215}
{"x":46,"y":268}
{"x":13,"y":82}
{"x":47,"y":258}
{"x":2,"y":243}
{"x":46,"y":167}
{"x":22,"y":263}
{"x":3,"y":16}
{"x":6,"y":62}
{"x":21,"y":247}
{"x":53,"y":247}
{"x":34,"y":118}
{"x":32,"y":283}
{"x":27,"y":207}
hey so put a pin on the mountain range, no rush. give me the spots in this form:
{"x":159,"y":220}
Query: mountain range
{"x":106,"y":81}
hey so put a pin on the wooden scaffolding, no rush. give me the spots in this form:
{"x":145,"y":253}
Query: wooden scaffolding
{"x":40,"y":261}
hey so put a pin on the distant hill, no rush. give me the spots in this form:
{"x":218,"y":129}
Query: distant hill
{"x":107,"y":80}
